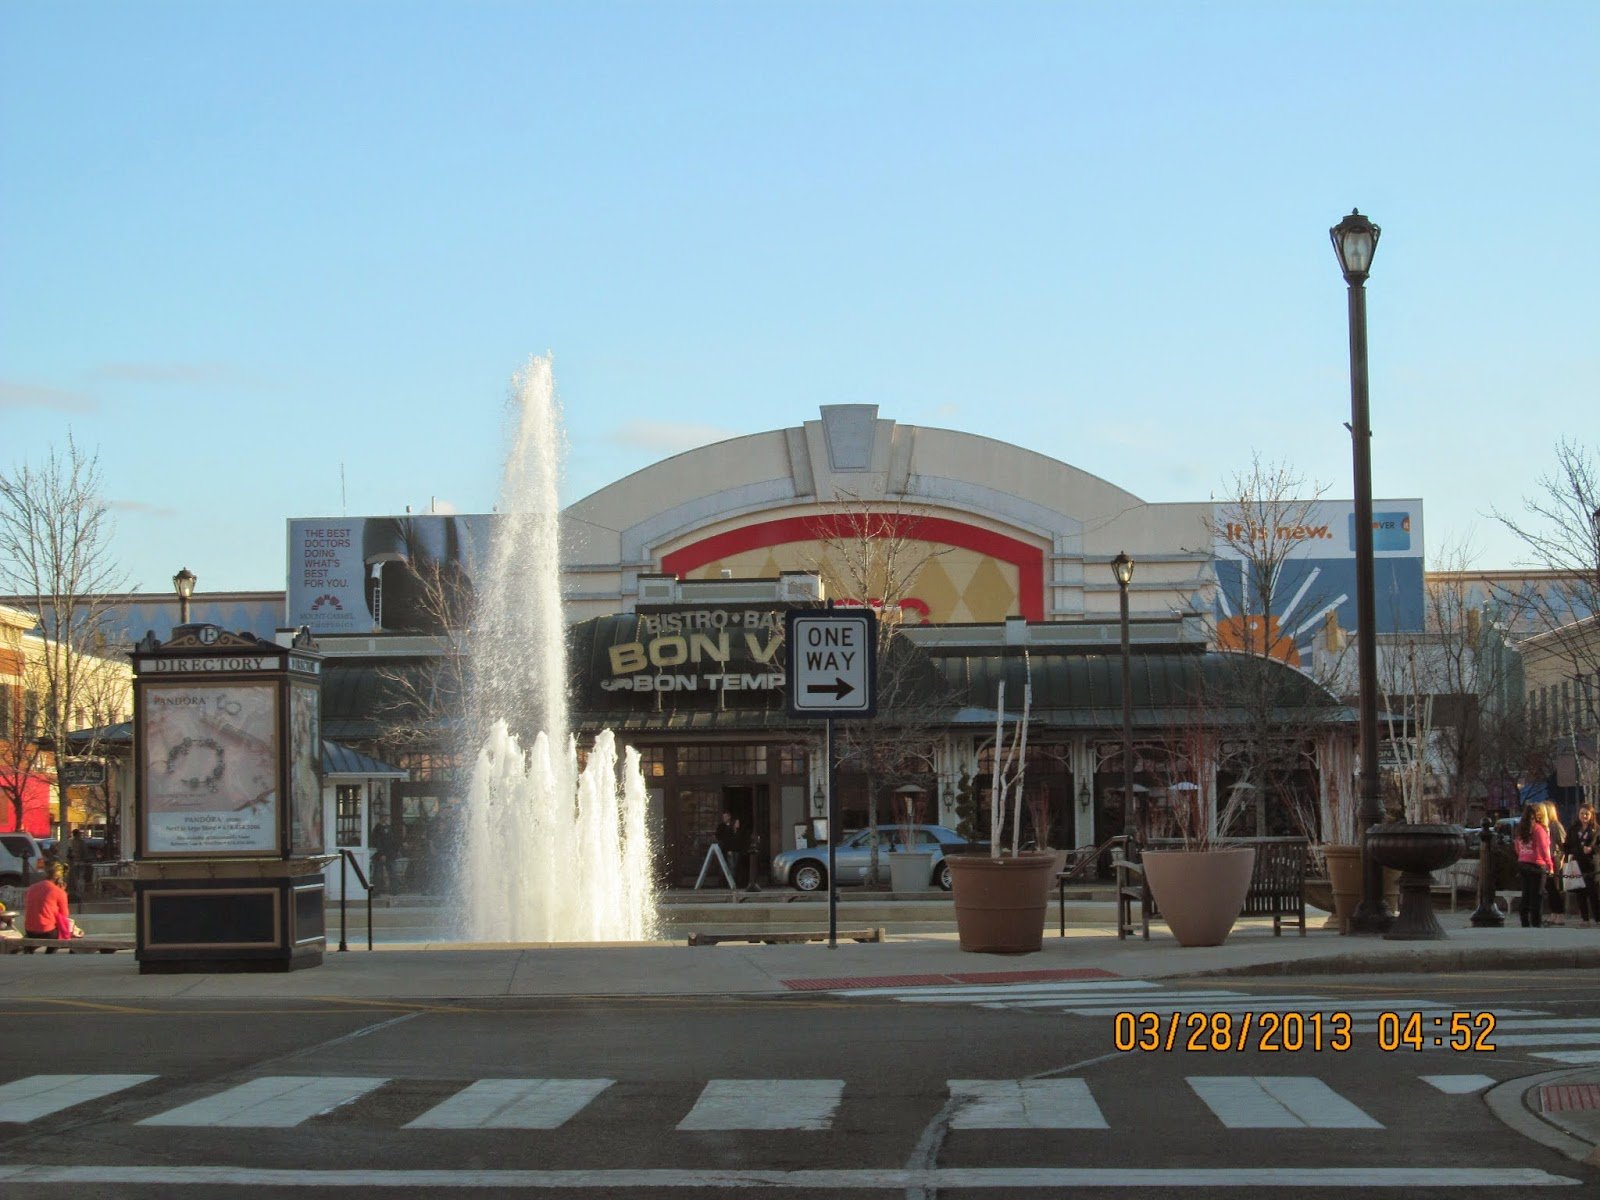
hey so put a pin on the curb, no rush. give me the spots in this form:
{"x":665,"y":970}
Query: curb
{"x":1508,"y":1102}
{"x":1424,"y":962}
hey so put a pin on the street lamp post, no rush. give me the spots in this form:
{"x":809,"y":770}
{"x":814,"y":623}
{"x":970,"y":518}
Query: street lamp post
{"x":1355,"y":240}
{"x":1122,"y":565}
{"x":183,"y":583}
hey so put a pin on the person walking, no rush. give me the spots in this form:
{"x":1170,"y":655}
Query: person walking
{"x":729,"y":838}
{"x":1533,"y":862}
{"x":385,"y":849}
{"x":1555,"y":896}
{"x":1582,"y":845}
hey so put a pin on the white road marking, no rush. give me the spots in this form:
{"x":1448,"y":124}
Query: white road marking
{"x":1459,"y":1085}
{"x":1577,"y":1058}
{"x":1025,"y":1104}
{"x":513,"y":1104}
{"x":37,"y":1096}
{"x":271,"y":1102}
{"x":816,"y":1182}
{"x":1278,"y":1102}
{"x":1544,"y":1039}
{"x":765,"y":1104}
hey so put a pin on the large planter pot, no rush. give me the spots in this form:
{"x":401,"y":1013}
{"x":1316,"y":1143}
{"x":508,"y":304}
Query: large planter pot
{"x":1344,"y":876}
{"x":910,"y":871}
{"x":1000,"y":902}
{"x":1200,"y":892}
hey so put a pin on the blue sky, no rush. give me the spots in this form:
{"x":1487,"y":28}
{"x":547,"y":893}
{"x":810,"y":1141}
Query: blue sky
{"x":246,"y":246}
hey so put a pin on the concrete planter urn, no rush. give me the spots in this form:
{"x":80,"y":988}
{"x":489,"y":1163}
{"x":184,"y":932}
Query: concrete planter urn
{"x":910,"y":871}
{"x":1000,"y":902}
{"x":1344,"y":878}
{"x":1200,"y":892}
{"x":1416,"y":851}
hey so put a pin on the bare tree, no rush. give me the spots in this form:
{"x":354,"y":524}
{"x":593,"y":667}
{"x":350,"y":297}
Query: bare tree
{"x":872,"y":554}
{"x":1278,"y":715}
{"x":55,"y":558}
{"x":1560,"y":527}
{"x":422,"y":703}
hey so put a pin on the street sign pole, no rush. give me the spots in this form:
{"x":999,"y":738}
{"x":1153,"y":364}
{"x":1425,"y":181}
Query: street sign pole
{"x":831,"y":660}
{"x":833,"y":840}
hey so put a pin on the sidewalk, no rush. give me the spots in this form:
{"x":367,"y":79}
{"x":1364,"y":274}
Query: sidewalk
{"x":423,"y":970}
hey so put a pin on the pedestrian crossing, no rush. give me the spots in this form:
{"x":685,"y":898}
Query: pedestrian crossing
{"x":1237,"y":1102}
{"x":1568,"y":1040}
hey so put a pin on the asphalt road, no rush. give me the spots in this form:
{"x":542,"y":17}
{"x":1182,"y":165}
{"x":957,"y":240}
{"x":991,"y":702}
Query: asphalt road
{"x":1007,"y":1091}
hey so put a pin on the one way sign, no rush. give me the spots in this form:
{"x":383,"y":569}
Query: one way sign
{"x":832,"y":662}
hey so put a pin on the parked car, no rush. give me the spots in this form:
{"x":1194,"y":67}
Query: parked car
{"x":806,"y":869}
{"x":20,"y":853}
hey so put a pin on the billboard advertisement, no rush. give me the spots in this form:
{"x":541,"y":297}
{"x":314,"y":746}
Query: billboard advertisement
{"x":1313,"y":546}
{"x":392,"y":574}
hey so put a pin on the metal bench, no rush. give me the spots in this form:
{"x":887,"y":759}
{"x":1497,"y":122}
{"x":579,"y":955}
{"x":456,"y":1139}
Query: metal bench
{"x":83,"y":945}
{"x":1277,"y":883}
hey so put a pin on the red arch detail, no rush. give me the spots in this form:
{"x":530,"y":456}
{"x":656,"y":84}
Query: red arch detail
{"x":1029,"y":560}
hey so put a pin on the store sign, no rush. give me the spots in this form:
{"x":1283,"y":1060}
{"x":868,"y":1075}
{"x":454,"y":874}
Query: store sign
{"x":707,"y":650}
{"x":81,"y":773}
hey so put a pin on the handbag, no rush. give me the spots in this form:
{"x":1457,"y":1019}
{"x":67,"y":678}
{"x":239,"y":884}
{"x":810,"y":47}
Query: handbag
{"x":1572,"y":876}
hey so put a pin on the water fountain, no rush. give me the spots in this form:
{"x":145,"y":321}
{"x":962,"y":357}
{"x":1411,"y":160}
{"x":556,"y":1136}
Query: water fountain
{"x":549,"y":853}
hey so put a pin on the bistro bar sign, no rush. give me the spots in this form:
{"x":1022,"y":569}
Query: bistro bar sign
{"x":715,"y":650}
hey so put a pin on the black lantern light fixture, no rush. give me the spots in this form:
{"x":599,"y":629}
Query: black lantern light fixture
{"x":1355,"y":241}
{"x":183,"y":583}
{"x":1122,"y":567}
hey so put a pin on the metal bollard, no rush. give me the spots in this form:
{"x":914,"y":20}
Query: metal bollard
{"x":1487,"y":914}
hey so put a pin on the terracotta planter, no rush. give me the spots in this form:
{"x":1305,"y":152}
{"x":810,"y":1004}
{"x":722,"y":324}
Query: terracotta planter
{"x":1000,"y":902}
{"x":910,"y":871}
{"x":1200,"y":892}
{"x":1344,"y":874}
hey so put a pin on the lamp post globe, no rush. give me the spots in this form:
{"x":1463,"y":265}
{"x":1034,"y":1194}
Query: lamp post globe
{"x":1355,"y":241}
{"x":183,"y":584}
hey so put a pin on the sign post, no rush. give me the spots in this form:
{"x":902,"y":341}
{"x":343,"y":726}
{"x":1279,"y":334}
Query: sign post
{"x":831,"y":660}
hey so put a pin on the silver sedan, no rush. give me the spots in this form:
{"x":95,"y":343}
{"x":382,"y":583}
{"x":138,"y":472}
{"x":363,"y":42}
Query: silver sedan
{"x":806,"y":869}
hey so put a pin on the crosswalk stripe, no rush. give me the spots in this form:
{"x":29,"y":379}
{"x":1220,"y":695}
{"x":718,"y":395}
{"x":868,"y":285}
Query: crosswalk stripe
{"x":37,"y":1096}
{"x":513,"y":1104}
{"x":704,"y":1180}
{"x":1025,"y":1104}
{"x":1541,"y":1039}
{"x":1458,"y":1085}
{"x":270,"y":1102}
{"x":765,"y":1104}
{"x":1576,"y":1058}
{"x":1278,"y":1102}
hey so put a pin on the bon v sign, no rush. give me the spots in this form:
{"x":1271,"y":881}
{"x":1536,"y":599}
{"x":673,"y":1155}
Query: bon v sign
{"x":832,"y":662}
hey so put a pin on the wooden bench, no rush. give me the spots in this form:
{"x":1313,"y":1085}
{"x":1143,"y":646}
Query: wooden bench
{"x":83,"y":945}
{"x":1277,"y":883}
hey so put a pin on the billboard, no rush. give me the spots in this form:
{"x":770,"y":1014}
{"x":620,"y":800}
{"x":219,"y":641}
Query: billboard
{"x":394,"y":574}
{"x":1315,"y":544}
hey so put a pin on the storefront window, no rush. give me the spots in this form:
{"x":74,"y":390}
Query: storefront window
{"x":347,"y":814}
{"x":722,"y":760}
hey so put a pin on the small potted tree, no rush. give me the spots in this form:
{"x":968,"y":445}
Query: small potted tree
{"x":1001,"y":897}
{"x":910,"y":866}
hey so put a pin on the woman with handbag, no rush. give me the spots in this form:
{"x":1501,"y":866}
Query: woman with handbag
{"x":1555,"y":895}
{"x":1583,"y":843}
{"x":45,"y":911}
{"x":1532,"y":843}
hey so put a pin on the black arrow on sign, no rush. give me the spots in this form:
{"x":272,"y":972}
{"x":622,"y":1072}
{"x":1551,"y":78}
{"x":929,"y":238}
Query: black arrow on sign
{"x":839,"y":687}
